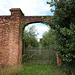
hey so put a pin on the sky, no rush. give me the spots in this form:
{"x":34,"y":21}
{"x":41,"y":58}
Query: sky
{"x":39,"y":28}
{"x":29,"y":8}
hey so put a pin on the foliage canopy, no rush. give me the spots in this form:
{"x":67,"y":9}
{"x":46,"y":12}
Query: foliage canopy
{"x":29,"y":38}
{"x":63,"y":22}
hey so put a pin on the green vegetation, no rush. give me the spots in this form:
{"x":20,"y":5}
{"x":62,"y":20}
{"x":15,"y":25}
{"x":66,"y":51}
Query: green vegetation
{"x":48,"y":39}
{"x":61,"y":37}
{"x":32,"y":69}
{"x":29,"y":38}
{"x":63,"y":23}
{"x":39,"y":69}
{"x":39,"y":55}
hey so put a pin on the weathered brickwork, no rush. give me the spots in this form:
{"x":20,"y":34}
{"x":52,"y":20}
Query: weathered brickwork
{"x":10,"y":35}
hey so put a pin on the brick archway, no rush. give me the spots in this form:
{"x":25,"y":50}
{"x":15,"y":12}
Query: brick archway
{"x":10,"y":35}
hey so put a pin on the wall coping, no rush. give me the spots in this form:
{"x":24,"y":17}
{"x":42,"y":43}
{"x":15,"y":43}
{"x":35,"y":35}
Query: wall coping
{"x":16,"y":10}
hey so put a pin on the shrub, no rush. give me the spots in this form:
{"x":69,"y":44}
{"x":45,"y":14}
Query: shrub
{"x":63,"y":22}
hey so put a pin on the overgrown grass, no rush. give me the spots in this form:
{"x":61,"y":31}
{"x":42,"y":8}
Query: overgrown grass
{"x":39,"y":69}
{"x":31,"y":68}
{"x":9,"y":70}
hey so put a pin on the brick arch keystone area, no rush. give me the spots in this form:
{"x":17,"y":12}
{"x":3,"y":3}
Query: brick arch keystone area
{"x":10,"y":35}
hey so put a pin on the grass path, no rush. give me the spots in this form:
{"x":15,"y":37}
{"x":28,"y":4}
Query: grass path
{"x":38,"y":69}
{"x":32,"y":69}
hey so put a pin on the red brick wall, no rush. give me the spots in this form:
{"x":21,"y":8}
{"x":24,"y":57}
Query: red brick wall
{"x":4,"y":22}
{"x":10,"y":38}
{"x":10,"y":35}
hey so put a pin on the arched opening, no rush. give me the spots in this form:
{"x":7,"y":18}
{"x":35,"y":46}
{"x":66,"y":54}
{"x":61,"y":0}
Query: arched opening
{"x":36,"y":52}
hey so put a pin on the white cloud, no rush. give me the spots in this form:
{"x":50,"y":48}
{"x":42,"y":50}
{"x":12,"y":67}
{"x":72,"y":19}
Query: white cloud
{"x":32,"y":7}
{"x":29,"y":7}
{"x":39,"y":28}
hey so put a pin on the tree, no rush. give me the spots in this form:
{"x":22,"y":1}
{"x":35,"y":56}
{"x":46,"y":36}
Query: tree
{"x":63,"y":22}
{"x":48,"y":39}
{"x":29,"y":38}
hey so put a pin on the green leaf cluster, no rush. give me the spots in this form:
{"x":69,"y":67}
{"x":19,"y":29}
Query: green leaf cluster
{"x":48,"y":39}
{"x":63,"y":23}
{"x":29,"y":38}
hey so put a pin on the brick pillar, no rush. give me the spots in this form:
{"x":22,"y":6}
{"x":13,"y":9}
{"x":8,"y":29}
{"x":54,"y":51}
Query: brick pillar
{"x":14,"y":37}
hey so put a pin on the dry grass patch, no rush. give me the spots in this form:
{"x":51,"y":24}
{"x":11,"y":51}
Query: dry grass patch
{"x":9,"y":70}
